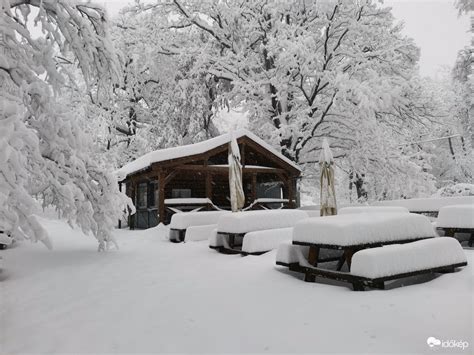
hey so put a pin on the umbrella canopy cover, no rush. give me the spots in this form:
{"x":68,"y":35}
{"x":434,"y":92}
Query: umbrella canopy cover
{"x":328,"y":191}
{"x":237,"y":197}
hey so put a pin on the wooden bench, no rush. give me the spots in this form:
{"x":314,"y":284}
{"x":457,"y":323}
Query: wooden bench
{"x":374,"y":267}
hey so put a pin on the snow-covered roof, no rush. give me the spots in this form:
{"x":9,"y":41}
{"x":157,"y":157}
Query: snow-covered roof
{"x":156,"y":156}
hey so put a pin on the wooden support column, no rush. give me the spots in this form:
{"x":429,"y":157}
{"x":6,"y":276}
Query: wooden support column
{"x":120,"y":220}
{"x":285,"y":186}
{"x":291,"y":193}
{"x":156,"y":193}
{"x":254,"y":187}
{"x":133,"y":197}
{"x":161,"y":196}
{"x":209,"y":185}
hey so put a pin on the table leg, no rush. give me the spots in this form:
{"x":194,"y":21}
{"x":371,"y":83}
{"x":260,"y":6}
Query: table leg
{"x":348,"y":253}
{"x":313,"y":255}
{"x":312,"y":260}
{"x":341,"y":261}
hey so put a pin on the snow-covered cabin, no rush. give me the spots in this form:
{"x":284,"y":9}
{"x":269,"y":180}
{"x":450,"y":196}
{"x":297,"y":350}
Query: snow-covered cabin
{"x":194,"y":176}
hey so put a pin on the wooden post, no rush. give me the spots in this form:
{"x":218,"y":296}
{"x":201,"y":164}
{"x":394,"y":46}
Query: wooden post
{"x":161,"y":196}
{"x":254,"y":187}
{"x":120,"y":220}
{"x":156,"y":192}
{"x":209,"y":185}
{"x":133,"y":191}
{"x":291,"y":193}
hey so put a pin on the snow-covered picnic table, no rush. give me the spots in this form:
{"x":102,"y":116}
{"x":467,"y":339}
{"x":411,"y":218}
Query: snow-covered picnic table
{"x":266,"y":229}
{"x":455,"y":220}
{"x":373,"y":267}
{"x":377,"y":247}
{"x":353,"y":232}
{"x":181,"y":222}
{"x":429,"y":206}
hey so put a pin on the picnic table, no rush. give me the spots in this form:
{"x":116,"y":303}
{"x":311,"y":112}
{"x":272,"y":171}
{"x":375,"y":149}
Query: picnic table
{"x":377,"y":247}
{"x":233,"y":227}
{"x":351,"y":233}
{"x":455,"y":220}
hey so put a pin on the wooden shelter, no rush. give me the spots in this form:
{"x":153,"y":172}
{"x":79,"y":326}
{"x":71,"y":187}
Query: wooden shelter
{"x":195,"y":176}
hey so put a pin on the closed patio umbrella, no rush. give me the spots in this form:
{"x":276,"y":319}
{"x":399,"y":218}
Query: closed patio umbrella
{"x":237,"y":197}
{"x":328,"y":192}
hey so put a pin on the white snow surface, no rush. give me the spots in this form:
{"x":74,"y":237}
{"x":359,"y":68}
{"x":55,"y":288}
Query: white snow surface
{"x":457,"y":216}
{"x":428,"y":204}
{"x":153,"y":296}
{"x":198,"y":233}
{"x":362,"y":228}
{"x":402,"y":258}
{"x":373,"y":209}
{"x":271,"y":200}
{"x":187,"y":219}
{"x":146,"y":160}
{"x":249,"y":221}
{"x":260,"y":241}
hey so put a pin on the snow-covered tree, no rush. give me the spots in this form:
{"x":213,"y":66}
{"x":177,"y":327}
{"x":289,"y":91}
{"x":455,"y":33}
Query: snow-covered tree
{"x":166,"y":98}
{"x":464,"y":6}
{"x":307,"y":70}
{"x":44,"y":154}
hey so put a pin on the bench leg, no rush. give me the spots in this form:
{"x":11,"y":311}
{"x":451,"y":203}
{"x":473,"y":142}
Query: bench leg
{"x":447,"y":270}
{"x":380,"y":285}
{"x":471,"y":240}
{"x":358,"y":286}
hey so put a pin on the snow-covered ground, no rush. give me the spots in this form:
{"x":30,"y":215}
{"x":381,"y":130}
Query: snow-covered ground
{"x":157,"y":296}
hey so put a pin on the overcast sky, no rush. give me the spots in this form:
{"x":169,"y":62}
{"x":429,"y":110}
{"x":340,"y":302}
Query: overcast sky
{"x":433,"y":24}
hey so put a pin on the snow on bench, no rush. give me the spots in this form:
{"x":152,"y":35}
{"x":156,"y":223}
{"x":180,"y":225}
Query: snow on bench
{"x":198,"y":233}
{"x":363,"y":228}
{"x":372,"y":209}
{"x":188,"y":219}
{"x":428,"y":204}
{"x":407,"y":258}
{"x":181,"y":221}
{"x":262,"y":241}
{"x":215,"y":240}
{"x":188,"y":201}
{"x":457,"y":216}
{"x":288,"y":253}
{"x":249,"y":221}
